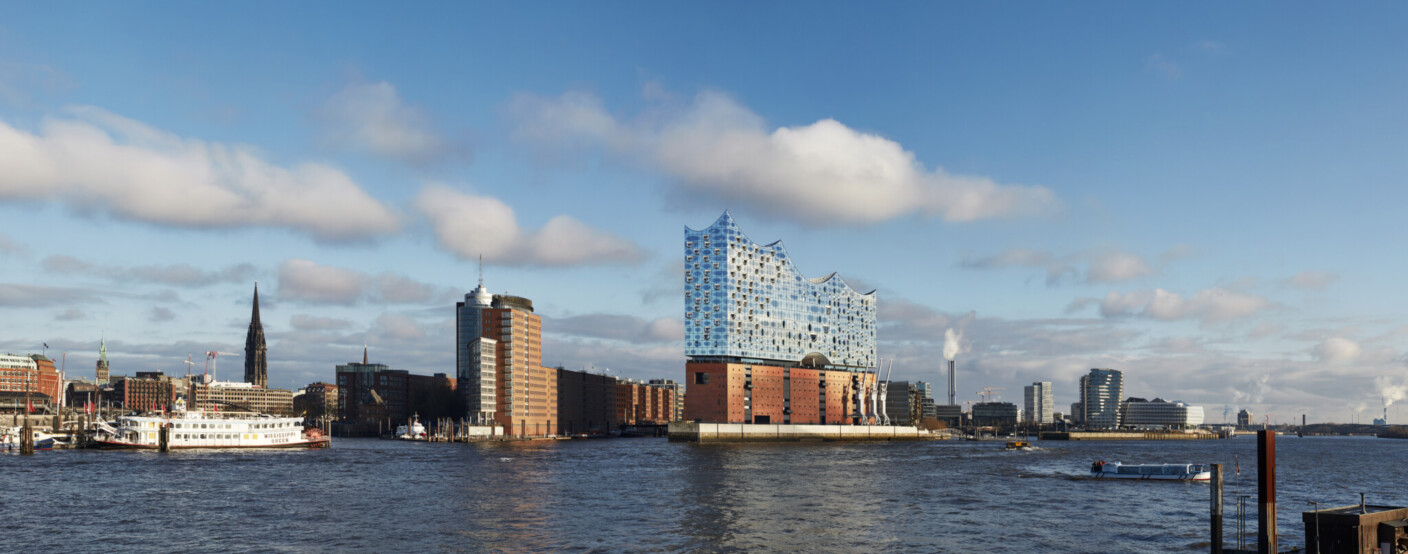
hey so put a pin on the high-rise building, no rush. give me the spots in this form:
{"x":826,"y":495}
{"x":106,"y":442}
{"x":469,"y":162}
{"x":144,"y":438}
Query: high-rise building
{"x":1100,"y":394}
{"x":766,"y":345}
{"x":102,"y":369}
{"x":502,"y":332}
{"x":256,"y":367}
{"x":1244,"y":419}
{"x":1040,"y":403}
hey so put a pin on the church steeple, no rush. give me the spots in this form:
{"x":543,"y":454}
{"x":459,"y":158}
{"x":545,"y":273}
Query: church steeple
{"x":256,"y":367}
{"x":101,"y":373}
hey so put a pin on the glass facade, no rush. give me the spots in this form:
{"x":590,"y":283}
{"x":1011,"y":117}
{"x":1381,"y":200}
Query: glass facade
{"x":1100,"y":394}
{"x":1040,"y":403}
{"x":745,"y":301}
{"x":475,"y":355}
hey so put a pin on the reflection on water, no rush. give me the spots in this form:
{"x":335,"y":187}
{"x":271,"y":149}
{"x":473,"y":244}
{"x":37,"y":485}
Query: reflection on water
{"x":649,"y":494}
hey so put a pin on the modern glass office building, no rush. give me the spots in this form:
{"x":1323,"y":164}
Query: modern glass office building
{"x":1100,"y":394}
{"x":1160,"y":414}
{"x":747,"y":302}
{"x":1040,"y":403}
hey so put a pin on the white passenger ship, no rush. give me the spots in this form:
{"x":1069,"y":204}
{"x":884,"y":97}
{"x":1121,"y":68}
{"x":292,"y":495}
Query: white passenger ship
{"x":1150,"y":472}
{"x":199,"y":429}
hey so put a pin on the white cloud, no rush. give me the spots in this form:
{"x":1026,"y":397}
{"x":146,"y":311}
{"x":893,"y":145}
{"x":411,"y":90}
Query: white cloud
{"x":305,"y":322}
{"x":1337,"y":350}
{"x":8,"y":246}
{"x":1100,"y":266}
{"x":371,"y":117}
{"x":159,"y":314}
{"x":820,"y":174}
{"x":71,"y":314}
{"x":1163,"y":67}
{"x":398,"y":327}
{"x":94,"y":160}
{"x":1210,"y":305}
{"x":184,"y":275}
{"x":1312,"y":280}
{"x":308,"y":281}
{"x":470,"y":226}
{"x":1117,"y":266}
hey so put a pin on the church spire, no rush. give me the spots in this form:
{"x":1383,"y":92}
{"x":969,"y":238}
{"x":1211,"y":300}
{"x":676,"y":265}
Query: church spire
{"x":364,"y":354}
{"x":256,"y":367}
{"x":254,"y":319}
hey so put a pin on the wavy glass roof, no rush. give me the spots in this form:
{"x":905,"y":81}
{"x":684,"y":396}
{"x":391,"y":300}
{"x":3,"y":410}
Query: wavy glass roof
{"x":747,"y":301}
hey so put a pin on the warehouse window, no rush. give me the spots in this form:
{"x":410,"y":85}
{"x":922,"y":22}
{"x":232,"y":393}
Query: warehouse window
{"x":701,"y":378}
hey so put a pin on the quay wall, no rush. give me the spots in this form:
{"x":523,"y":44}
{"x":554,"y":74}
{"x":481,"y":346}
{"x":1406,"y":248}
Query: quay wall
{"x":1124,"y":436}
{"x":782,"y":432}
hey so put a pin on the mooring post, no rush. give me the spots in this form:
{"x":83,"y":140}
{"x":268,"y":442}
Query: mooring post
{"x":1216,"y":508}
{"x":164,"y":436}
{"x":1266,"y":490}
{"x":27,"y":439}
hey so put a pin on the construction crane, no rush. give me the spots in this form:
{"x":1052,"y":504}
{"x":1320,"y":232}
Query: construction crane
{"x":986,"y":393}
{"x":210,"y":361}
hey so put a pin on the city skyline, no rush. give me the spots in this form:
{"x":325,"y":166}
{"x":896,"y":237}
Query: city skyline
{"x":1203,"y":201}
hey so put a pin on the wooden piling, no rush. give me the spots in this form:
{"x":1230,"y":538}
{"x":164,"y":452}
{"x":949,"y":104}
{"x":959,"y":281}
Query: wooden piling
{"x":27,"y":438}
{"x":164,"y":438}
{"x":1216,"y":508}
{"x":1266,"y":491}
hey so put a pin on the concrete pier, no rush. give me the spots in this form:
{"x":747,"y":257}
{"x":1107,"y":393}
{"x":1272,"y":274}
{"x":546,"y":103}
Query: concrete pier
{"x":1125,"y":436}
{"x":781,"y":432}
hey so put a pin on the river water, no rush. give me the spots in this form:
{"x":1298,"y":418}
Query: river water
{"x":652,"y":495}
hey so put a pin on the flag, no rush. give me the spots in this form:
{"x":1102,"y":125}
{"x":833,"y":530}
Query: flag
{"x":31,"y":405}
{"x":46,"y":345}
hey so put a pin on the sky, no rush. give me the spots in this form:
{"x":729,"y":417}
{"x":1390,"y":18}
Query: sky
{"x":1207,"y":197}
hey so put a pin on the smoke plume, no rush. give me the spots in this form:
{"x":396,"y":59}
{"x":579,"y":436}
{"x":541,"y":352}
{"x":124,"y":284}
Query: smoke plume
{"x":951,"y":343}
{"x":1390,"y":391}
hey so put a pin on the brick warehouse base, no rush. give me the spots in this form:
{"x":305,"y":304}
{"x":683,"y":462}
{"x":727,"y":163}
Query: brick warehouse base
{"x":757,"y":393}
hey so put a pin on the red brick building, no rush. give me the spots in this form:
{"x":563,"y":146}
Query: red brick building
{"x":749,"y":393}
{"x":641,"y":404}
{"x":147,"y":392}
{"x":586,"y":403}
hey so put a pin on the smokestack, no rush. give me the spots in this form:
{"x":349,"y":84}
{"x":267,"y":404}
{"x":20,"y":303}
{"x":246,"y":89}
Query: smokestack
{"x":951,"y":398}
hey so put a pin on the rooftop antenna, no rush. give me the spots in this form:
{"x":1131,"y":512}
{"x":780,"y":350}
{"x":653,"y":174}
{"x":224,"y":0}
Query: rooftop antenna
{"x":481,"y":270}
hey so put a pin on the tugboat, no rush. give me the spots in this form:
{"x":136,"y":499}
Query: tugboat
{"x":1018,"y":445}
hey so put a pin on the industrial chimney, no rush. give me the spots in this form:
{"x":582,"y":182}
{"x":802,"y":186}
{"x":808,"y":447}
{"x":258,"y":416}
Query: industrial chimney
{"x":951,"y":398}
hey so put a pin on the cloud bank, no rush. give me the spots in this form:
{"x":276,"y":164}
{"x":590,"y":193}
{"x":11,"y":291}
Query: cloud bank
{"x":468,"y":226}
{"x":96,"y":161}
{"x":371,"y":118}
{"x":820,"y":174}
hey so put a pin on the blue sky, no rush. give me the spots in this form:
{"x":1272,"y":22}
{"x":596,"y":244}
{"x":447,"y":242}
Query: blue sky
{"x":1204,"y":196}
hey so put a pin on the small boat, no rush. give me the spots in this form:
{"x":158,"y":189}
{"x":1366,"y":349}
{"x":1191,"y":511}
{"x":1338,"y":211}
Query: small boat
{"x":1018,"y":445}
{"x":1150,"y":472}
{"x":10,"y":439}
{"x":414,"y":432}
